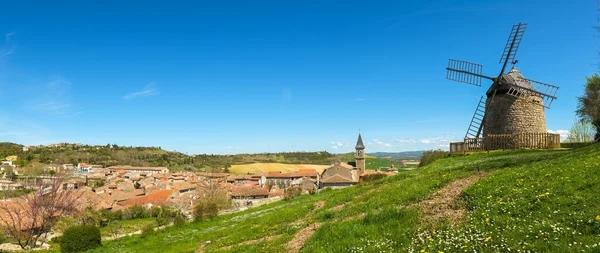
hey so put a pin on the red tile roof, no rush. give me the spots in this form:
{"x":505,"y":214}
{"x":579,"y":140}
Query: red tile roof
{"x":248,"y":191}
{"x":156,"y":198}
{"x":337,"y":179}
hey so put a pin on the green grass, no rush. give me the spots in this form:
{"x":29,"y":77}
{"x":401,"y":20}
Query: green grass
{"x":535,"y":201}
{"x":126,"y":226}
{"x":376,"y":163}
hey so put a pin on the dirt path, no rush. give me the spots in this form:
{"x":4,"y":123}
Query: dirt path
{"x":301,"y":237}
{"x":442,"y":205}
{"x":249,"y":242}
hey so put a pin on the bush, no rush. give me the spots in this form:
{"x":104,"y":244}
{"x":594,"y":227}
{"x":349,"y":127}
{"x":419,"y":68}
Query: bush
{"x":373,"y":177}
{"x":162,"y":221}
{"x":575,"y":144}
{"x":205,"y":210}
{"x":292,"y":193}
{"x":432,"y":155}
{"x":178,"y":220}
{"x":80,"y":239}
{"x":148,"y":230}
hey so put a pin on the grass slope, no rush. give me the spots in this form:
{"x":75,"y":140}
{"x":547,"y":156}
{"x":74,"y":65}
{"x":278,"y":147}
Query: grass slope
{"x":531,"y":201}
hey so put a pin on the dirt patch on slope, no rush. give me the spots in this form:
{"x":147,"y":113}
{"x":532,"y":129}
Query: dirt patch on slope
{"x":319,"y":204}
{"x":301,"y":237}
{"x":442,"y":205}
{"x":249,"y":242}
{"x":338,"y":207}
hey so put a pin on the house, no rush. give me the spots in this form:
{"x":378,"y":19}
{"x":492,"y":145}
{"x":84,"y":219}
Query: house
{"x":176,"y":178}
{"x":182,"y":187}
{"x":83,"y":167}
{"x":249,"y":192}
{"x":74,"y":183}
{"x":9,"y":185}
{"x":157,"y":198}
{"x":140,"y":169}
{"x":68,"y":166}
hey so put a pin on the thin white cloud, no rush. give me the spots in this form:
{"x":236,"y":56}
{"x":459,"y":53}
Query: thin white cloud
{"x":563,"y":133}
{"x":360,"y":100}
{"x":148,"y":91}
{"x":9,"y":47}
{"x":337,"y":144}
{"x":382,"y":144}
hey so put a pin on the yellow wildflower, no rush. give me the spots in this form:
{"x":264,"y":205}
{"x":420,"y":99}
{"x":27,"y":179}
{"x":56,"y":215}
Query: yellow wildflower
{"x":487,"y":220}
{"x":598,"y":218}
{"x":422,"y":251}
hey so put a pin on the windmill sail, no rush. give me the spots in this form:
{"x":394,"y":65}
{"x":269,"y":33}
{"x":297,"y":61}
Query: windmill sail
{"x":512,"y":45}
{"x":521,"y":87}
{"x":465,"y":72}
{"x":476,"y":126}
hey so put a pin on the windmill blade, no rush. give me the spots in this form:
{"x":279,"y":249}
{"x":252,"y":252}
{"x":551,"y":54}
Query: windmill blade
{"x":476,"y":126}
{"x":465,"y":72}
{"x":546,"y":92}
{"x":512,"y":44}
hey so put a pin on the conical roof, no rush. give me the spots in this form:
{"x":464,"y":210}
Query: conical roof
{"x":514,"y":76}
{"x":359,"y":143}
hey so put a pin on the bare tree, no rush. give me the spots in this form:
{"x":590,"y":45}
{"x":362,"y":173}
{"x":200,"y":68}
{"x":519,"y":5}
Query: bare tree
{"x":581,"y":131}
{"x":212,"y":191}
{"x":29,"y":217}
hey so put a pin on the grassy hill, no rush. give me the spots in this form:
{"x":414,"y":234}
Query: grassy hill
{"x":519,"y":200}
{"x":112,"y":154}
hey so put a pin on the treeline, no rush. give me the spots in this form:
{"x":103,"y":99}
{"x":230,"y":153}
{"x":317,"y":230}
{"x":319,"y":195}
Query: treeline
{"x":112,"y":154}
{"x":8,"y":149}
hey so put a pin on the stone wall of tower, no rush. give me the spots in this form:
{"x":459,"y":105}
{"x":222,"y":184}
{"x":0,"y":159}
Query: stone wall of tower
{"x":509,"y":115}
{"x":360,"y":164}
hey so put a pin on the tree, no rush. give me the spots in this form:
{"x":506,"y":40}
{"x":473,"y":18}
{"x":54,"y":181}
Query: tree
{"x":588,"y":109}
{"x":52,"y":172}
{"x":28,"y":217}
{"x":581,"y":131}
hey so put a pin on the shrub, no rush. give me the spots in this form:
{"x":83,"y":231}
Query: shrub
{"x":178,"y":220}
{"x":162,"y":221}
{"x":292,"y":193}
{"x":432,"y":155}
{"x":80,"y":239}
{"x":135,"y":212}
{"x":575,"y":144}
{"x":373,"y":177}
{"x":148,"y":230}
{"x":205,"y":210}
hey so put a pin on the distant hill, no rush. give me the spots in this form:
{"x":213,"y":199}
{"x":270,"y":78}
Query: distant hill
{"x":112,"y":154}
{"x":407,"y":155}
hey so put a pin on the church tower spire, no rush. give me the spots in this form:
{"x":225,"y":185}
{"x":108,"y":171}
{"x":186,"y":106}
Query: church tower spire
{"x":360,"y":155}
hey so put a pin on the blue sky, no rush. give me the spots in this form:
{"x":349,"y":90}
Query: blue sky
{"x":270,"y":76}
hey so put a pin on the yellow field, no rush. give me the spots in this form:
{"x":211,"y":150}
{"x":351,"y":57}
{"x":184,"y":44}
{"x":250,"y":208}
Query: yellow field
{"x":268,"y":167}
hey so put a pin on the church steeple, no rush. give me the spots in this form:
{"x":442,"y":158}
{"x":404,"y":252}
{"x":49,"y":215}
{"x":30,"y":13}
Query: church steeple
{"x":360,"y":155}
{"x":359,"y":143}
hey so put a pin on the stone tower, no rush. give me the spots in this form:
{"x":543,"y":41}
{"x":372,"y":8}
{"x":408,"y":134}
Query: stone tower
{"x":509,"y":115}
{"x":360,"y":155}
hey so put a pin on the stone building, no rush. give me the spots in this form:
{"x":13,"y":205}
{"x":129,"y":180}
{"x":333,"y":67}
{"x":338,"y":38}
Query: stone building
{"x":510,"y":115}
{"x":341,"y":174}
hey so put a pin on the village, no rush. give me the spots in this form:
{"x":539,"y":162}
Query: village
{"x":120,"y":187}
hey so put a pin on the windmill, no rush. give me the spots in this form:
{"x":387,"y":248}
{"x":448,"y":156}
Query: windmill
{"x":513,"y":104}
